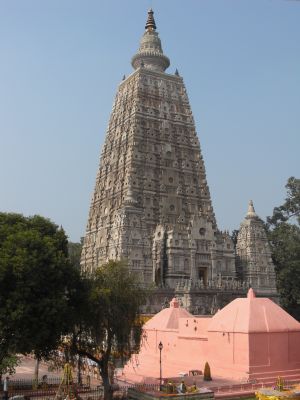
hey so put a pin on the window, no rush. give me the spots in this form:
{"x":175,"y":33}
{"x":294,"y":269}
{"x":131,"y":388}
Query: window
{"x":202,"y":231}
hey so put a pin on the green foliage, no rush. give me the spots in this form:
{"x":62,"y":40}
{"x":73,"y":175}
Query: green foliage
{"x":109,"y":317}
{"x":285,"y":243}
{"x":8,"y":364}
{"x":74,"y":250}
{"x":284,"y":236}
{"x":37,"y":284}
{"x":291,"y":207}
{"x":285,"y":239}
{"x":207,"y":374}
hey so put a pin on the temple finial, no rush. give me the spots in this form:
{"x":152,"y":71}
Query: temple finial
{"x":251,"y":294}
{"x":174,"y":303}
{"x":150,"y":24}
{"x":251,"y":211}
{"x":150,"y":51}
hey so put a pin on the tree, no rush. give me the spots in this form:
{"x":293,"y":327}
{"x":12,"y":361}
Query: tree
{"x":37,"y":285}
{"x":109,"y":318}
{"x":291,"y":207}
{"x":8,"y":364}
{"x":284,"y":236}
{"x":74,"y":250}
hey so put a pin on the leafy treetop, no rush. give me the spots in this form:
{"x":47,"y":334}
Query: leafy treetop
{"x":290,"y":209}
{"x":284,"y":236}
{"x":37,"y":285}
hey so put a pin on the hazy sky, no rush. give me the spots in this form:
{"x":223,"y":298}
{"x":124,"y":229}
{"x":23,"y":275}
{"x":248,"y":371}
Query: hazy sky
{"x":61,"y":63}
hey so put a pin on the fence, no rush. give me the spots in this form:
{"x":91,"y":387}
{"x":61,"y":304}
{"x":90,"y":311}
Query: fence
{"x":47,"y":389}
{"x":249,"y":387}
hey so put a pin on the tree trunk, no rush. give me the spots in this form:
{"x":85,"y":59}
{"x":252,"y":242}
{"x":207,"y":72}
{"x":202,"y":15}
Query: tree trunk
{"x":108,"y":393}
{"x":36,"y":369}
{"x":36,"y":373}
{"x":79,"y":365}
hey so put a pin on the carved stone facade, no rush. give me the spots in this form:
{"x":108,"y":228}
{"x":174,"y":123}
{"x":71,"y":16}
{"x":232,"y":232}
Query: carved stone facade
{"x":151,"y":204}
{"x":253,"y":252}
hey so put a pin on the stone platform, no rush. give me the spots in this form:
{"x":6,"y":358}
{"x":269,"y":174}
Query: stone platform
{"x":203,"y":394}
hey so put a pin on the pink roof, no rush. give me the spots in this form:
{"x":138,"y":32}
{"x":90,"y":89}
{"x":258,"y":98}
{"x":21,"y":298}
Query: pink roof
{"x":253,"y":314}
{"x":168,"y":317}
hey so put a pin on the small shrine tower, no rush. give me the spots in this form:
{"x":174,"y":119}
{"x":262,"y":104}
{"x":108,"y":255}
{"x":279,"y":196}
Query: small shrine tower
{"x":254,"y":255}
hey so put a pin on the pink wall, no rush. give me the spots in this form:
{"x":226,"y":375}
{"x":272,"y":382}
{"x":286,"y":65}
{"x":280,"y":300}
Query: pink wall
{"x":231,"y":355}
{"x":294,"y":348}
{"x":274,"y":351}
{"x":228,"y":353}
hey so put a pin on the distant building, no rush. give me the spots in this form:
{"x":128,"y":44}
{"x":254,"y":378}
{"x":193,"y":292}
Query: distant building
{"x":152,"y":206}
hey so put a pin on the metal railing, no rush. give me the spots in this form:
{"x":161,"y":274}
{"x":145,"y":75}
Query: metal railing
{"x":249,"y":387}
{"x":46,"y":389}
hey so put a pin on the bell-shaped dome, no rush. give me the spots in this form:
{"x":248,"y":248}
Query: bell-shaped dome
{"x":150,"y":54}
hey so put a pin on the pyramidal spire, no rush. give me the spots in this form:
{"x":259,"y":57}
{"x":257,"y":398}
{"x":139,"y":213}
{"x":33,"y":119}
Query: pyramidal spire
{"x":150,"y":24}
{"x":150,"y":54}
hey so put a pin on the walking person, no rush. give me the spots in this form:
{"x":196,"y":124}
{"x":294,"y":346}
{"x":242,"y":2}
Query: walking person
{"x":5,"y":388}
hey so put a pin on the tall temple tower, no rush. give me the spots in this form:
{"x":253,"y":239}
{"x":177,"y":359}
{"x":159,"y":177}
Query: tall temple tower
{"x":151,"y":204}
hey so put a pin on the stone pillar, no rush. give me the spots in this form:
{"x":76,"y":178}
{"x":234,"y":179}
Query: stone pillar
{"x":193,"y":275}
{"x":213,"y":266}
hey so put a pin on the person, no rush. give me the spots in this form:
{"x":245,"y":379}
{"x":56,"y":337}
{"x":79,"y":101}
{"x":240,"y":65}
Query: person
{"x":5,"y":388}
{"x":182,"y":387}
{"x":194,"y":387}
{"x":170,"y":387}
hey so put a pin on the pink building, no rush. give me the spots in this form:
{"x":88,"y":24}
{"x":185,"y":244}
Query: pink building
{"x":250,"y":338}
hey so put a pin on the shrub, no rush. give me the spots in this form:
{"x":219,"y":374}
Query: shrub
{"x":207,"y":374}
